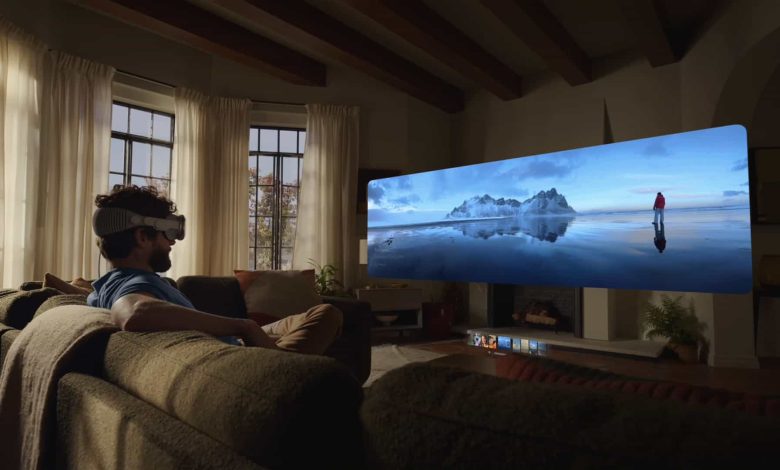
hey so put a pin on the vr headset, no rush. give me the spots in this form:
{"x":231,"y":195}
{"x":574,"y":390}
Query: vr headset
{"x":108,"y":220}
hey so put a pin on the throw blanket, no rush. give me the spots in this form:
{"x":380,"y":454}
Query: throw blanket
{"x":47,"y":348}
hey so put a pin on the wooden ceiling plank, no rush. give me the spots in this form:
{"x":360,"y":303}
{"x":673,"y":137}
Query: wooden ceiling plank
{"x":314,"y":29}
{"x":184,"y":22}
{"x":538,"y":28}
{"x":644,"y":19}
{"x":427,"y":30}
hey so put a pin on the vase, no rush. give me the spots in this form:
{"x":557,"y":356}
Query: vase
{"x":688,"y":353}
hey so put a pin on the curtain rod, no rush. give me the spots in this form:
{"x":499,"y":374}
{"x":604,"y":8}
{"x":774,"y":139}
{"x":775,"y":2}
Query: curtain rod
{"x":165,"y":84}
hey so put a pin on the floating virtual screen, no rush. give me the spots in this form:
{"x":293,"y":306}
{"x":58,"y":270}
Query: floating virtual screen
{"x":663,"y":213}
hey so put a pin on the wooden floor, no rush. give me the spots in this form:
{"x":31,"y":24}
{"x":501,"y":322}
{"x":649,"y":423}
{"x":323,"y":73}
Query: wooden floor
{"x":762,"y":381}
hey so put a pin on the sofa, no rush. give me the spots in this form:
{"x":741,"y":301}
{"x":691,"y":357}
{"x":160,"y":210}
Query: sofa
{"x":185,"y":400}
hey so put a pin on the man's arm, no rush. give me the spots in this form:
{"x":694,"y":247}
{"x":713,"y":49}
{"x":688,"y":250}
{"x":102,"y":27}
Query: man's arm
{"x":144,"y":312}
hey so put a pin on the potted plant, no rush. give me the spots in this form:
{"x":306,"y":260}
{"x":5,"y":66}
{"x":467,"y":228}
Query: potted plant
{"x":677,"y":323}
{"x":325,"y":282}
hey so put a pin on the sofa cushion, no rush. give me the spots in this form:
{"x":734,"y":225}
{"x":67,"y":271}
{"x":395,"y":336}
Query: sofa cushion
{"x":58,"y":300}
{"x":18,"y":307}
{"x":272,"y":295}
{"x":466,"y":416}
{"x":268,"y":405}
{"x":50,"y":280}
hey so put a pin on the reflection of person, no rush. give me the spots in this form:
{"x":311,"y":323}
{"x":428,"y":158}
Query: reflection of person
{"x":660,"y":238}
{"x":136,"y":229}
{"x":658,"y":207}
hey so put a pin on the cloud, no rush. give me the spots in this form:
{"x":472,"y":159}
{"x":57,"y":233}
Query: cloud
{"x":655,"y":149}
{"x":739,"y":165}
{"x":655,"y":190}
{"x":403,"y":182}
{"x":745,"y":184}
{"x":734,"y":193}
{"x":405,"y":200}
{"x":538,"y":168}
{"x":375,"y":192}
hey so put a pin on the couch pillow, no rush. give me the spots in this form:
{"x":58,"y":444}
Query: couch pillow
{"x":59,"y":300}
{"x":273,"y":295}
{"x":50,"y":280}
{"x":17,"y":307}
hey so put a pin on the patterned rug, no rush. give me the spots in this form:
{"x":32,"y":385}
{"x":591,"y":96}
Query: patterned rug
{"x":387,"y":357}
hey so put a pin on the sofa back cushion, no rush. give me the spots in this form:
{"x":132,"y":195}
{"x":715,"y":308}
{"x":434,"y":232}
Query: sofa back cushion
{"x":217,"y":295}
{"x":279,"y":409}
{"x":18,"y":307}
{"x":271,"y":295}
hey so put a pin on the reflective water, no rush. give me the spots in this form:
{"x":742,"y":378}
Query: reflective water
{"x":704,"y":250}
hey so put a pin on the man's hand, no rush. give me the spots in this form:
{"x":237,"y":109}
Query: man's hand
{"x":253,"y":335}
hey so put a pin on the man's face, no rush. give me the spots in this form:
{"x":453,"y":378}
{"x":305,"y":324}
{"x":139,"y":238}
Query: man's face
{"x":159,"y":256}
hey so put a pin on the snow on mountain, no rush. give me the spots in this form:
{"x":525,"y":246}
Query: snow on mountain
{"x":544,"y":203}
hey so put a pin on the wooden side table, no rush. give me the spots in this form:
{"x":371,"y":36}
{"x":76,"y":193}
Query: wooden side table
{"x":400,"y":308}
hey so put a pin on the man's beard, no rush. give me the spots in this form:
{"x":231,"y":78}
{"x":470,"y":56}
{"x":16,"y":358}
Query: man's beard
{"x":160,"y":260}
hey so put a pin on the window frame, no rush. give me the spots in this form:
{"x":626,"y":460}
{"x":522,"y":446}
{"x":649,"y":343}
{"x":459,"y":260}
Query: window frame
{"x":128,"y":138}
{"x":277,"y":194}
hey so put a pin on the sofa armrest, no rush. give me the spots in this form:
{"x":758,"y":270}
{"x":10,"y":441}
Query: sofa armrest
{"x":353,"y":347}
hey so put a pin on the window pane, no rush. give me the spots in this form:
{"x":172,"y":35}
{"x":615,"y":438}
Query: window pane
{"x":301,"y":141}
{"x":252,"y":231}
{"x":286,"y":258}
{"x":161,"y":162}
{"x":265,"y":200}
{"x":251,"y":264}
{"x":141,"y":122}
{"x":289,"y":200}
{"x":264,"y":232}
{"x":139,"y":180}
{"x":114,"y":179}
{"x":162,"y":127}
{"x":266,"y":170}
{"x":253,"y":200}
{"x":263,"y":259}
{"x":290,"y":171}
{"x":269,"y":140}
{"x":119,"y":118}
{"x":253,"y":140}
{"x":117,"y":156}
{"x":252,"y":170}
{"x":288,"y":231}
{"x":141,"y":158}
{"x":288,"y":141}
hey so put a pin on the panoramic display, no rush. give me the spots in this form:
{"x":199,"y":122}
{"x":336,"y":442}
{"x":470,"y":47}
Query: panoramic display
{"x":664,"y":213}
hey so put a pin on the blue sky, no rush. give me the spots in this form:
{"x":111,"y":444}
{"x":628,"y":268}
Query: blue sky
{"x":705,"y":168}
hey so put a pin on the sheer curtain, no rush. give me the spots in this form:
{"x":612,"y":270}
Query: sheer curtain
{"x":326,"y":210}
{"x":75,"y":137}
{"x":21,"y":75}
{"x":211,"y":150}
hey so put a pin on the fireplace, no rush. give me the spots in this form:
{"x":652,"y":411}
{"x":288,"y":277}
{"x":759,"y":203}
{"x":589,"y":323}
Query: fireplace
{"x":541,"y":307}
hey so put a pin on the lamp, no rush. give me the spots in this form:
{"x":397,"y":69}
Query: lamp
{"x":363,"y":251}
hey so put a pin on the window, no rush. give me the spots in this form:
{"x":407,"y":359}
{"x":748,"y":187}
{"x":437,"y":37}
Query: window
{"x":141,"y":147}
{"x":275,"y":164}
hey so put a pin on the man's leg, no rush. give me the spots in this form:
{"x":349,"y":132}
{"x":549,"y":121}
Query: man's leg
{"x":311,"y":332}
{"x":662,"y":215}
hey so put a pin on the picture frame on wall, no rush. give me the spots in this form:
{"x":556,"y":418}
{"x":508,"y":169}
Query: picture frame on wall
{"x":364,"y":176}
{"x":764,"y":165}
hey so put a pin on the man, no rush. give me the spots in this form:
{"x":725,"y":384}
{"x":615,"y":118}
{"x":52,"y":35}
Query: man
{"x":136,"y":229}
{"x":658,"y":207}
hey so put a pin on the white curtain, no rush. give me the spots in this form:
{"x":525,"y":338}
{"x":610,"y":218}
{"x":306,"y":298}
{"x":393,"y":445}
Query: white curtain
{"x":75,"y":137}
{"x":210,"y":186}
{"x":21,"y":77}
{"x":327,"y":205}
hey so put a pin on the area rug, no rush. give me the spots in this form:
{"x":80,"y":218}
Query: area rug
{"x":387,"y":357}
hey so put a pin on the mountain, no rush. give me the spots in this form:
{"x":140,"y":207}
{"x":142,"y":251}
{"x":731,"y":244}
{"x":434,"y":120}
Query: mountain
{"x":544,"y":203}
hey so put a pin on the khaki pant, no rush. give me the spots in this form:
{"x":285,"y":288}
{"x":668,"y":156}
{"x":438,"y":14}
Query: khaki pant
{"x":311,"y":332}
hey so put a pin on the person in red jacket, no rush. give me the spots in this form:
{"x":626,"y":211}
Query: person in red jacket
{"x":658,"y":207}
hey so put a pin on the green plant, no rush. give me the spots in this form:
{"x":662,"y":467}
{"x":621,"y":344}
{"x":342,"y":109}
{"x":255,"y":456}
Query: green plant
{"x":325,"y":282}
{"x":674,"y":321}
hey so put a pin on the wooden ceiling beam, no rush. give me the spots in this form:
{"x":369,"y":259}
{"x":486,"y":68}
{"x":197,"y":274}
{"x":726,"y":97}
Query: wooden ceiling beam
{"x":644,"y":19}
{"x":424,"y":28}
{"x":538,"y":28}
{"x":315,"y":30}
{"x":193,"y":26}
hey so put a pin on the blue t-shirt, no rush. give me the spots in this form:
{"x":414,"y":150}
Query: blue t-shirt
{"x":119,"y":282}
